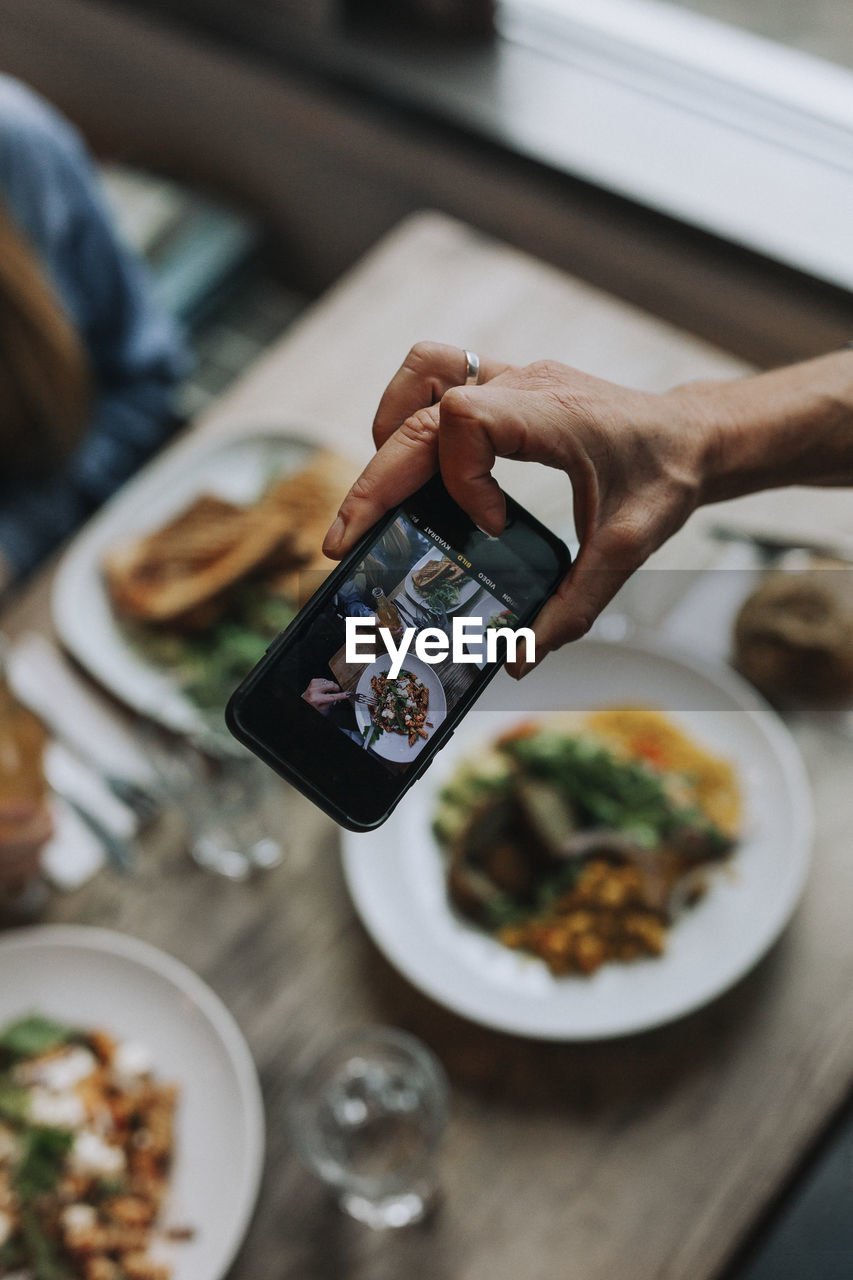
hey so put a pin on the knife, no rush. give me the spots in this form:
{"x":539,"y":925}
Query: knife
{"x":118,"y":850}
{"x":771,"y":543}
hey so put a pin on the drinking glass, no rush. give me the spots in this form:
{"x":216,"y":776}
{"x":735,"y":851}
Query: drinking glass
{"x":226,"y":800}
{"x":367,"y":1118}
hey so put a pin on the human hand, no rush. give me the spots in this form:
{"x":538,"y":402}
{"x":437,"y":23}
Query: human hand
{"x":323,"y":694}
{"x":635,"y":461}
{"x":24,"y":830}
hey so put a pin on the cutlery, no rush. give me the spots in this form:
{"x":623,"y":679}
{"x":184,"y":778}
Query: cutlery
{"x":43,"y":681}
{"x":772,"y":543}
{"x":118,"y":850}
{"x":143,"y":802}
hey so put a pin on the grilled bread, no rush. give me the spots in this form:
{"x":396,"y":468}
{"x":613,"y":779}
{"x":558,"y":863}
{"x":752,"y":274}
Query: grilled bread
{"x":180,"y":576}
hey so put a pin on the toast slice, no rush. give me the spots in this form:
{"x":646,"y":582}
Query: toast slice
{"x":181,"y":575}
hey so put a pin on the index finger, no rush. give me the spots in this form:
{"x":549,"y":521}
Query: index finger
{"x":430,"y":369}
{"x":405,"y":462}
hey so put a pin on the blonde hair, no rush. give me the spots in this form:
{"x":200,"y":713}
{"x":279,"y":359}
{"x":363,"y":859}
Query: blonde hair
{"x":44,"y":371}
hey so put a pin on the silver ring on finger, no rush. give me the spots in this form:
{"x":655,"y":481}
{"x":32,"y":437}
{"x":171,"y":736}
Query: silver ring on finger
{"x":472,"y":368}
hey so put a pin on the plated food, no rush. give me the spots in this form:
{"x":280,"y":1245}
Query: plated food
{"x":581,"y":839}
{"x":398,"y":706}
{"x":400,"y":889}
{"x":379,"y":698}
{"x":203,"y":593}
{"x":86,"y":1151}
{"x":95,"y":978}
{"x":439,"y":582}
{"x":506,"y":618}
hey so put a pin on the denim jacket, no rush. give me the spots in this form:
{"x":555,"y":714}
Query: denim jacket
{"x":50,"y":189}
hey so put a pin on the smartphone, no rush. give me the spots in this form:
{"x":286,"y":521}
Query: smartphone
{"x":354,"y":726}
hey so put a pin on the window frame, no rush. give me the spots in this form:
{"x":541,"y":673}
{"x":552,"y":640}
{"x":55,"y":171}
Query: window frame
{"x":718,"y":127}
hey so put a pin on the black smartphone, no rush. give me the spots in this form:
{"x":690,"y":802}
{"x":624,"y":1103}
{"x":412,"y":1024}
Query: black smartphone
{"x":352,"y":701}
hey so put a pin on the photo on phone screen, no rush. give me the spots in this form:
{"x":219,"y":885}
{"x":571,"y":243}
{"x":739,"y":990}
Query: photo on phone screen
{"x":411,"y":579}
{"x":353,"y":716}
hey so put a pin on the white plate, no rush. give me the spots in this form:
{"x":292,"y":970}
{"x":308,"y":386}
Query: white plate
{"x":394,"y":746}
{"x":396,"y":878}
{"x":98,"y":978}
{"x":237,"y":470}
{"x":466,"y":592}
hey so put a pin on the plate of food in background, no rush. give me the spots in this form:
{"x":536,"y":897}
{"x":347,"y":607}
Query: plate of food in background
{"x":605,"y":846}
{"x":439,"y":583}
{"x":396,"y":717}
{"x":131,"y":1121}
{"x":175,"y":589}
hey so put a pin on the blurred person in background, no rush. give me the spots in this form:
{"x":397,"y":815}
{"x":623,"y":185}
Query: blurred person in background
{"x":89,"y":363}
{"x":89,"y":366}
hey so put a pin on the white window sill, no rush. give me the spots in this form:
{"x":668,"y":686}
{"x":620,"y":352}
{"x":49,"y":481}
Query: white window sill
{"x":724,"y":130}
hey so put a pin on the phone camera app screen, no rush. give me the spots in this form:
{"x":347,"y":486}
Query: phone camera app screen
{"x":405,"y":637}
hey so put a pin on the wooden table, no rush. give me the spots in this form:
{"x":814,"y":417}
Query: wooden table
{"x":648,"y":1158}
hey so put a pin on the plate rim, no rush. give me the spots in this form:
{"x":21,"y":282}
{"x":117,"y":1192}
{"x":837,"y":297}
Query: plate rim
{"x":793,"y":769}
{"x":154,"y":959}
{"x":63,"y":601}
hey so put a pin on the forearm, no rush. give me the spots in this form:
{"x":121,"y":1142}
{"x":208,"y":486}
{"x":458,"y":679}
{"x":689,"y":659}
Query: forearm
{"x":791,"y":426}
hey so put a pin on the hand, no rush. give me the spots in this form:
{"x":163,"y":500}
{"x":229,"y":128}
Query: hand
{"x":323,"y":694}
{"x":635,"y":461}
{"x":24,"y":829}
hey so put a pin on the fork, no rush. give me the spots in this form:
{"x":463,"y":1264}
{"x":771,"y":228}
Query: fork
{"x":139,"y":799}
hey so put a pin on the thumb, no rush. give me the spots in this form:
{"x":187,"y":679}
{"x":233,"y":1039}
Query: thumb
{"x":605,"y":563}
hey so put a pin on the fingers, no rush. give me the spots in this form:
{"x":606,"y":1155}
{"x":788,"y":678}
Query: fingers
{"x":405,"y":462}
{"x":603,"y":566}
{"x":479,"y":424}
{"x":429,"y":370}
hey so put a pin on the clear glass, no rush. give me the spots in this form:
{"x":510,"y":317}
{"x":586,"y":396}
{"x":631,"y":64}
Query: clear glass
{"x":226,"y":801}
{"x":367,"y":1117}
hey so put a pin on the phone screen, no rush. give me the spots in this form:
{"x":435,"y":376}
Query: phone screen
{"x":353,"y":716}
{"x":410,"y":580}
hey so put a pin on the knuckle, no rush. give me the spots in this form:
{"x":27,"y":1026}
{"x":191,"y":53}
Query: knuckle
{"x":546,"y":372}
{"x":420,"y":428}
{"x":456,"y":405}
{"x":361,"y":491}
{"x":623,"y":542}
{"x":578,"y":625}
{"x":423,"y":356}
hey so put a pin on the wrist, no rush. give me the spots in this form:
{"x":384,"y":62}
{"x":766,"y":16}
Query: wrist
{"x":791,"y":426}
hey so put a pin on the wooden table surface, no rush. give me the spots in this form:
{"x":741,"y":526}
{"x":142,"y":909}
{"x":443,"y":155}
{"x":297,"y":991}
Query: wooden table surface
{"x":647,"y":1158}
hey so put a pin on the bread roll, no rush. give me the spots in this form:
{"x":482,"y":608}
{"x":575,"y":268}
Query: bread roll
{"x":793,"y":637}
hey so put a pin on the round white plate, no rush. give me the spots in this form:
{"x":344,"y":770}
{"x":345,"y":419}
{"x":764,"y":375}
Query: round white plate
{"x":394,"y":746}
{"x":396,"y":877}
{"x":466,"y":592}
{"x":237,"y":470}
{"x":97,"y":978}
